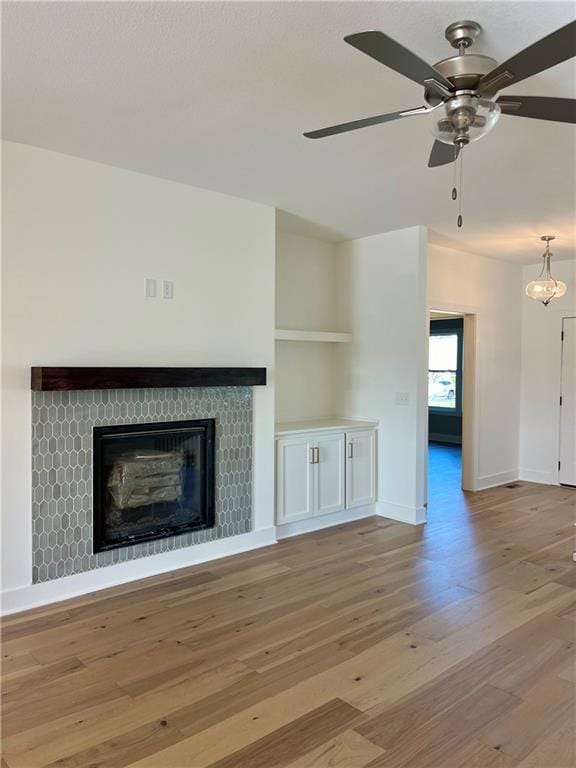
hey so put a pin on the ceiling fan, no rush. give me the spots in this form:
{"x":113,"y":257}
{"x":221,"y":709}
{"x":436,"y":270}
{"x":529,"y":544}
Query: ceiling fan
{"x":459,"y":91}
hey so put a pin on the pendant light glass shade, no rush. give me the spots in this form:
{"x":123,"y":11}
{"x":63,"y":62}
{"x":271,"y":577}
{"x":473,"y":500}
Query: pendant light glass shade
{"x":545,"y":287}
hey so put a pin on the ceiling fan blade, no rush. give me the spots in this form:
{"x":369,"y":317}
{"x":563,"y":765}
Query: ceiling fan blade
{"x":539,"y":107}
{"x":442,"y":154}
{"x":390,"y":53}
{"x":364,"y":123}
{"x":552,"y":49}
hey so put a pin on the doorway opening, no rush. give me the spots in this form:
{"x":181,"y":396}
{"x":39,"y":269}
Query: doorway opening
{"x":451,"y":396}
{"x":445,"y":364}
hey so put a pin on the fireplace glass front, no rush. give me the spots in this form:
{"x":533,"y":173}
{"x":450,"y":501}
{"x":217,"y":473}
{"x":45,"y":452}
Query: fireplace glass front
{"x":152,"y":481}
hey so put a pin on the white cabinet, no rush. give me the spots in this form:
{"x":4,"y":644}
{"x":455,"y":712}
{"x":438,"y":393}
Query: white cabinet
{"x":310,"y":477}
{"x":319,"y":472}
{"x":360,"y":468}
{"x":329,"y":473}
{"x":294,"y":478}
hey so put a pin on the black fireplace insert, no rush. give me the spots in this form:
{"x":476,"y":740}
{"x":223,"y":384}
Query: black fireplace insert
{"x":152,"y":481}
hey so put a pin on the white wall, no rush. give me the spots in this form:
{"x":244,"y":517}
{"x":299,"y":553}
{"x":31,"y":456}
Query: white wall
{"x":305,"y":283}
{"x":382,"y":297}
{"x":305,"y":300}
{"x":79,"y":238}
{"x":540,"y":391}
{"x":490,"y":289}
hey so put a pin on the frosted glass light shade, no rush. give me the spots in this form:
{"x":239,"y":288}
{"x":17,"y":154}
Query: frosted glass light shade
{"x":545,"y":287}
{"x":545,"y":290}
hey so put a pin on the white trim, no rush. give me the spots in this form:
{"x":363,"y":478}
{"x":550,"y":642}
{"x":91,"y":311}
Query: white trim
{"x":34,"y":595}
{"x":500,"y":478}
{"x":538,"y":476}
{"x":298,"y":527}
{"x":331,"y":336}
{"x":401,"y":512}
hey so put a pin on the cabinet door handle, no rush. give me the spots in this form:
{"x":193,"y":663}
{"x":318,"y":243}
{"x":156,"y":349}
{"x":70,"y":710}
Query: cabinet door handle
{"x":317,"y":455}
{"x":350,"y":450}
{"x":312,"y":454}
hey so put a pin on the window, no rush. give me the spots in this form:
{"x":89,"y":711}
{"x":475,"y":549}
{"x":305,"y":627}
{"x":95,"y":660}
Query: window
{"x":445,"y":366}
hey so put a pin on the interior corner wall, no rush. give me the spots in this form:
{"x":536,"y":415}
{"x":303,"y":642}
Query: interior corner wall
{"x":383,"y":372}
{"x":305,"y":300}
{"x":541,"y":372}
{"x":490,"y":289}
{"x":78,"y":240}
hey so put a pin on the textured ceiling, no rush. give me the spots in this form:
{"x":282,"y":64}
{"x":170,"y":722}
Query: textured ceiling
{"x":217,"y":95}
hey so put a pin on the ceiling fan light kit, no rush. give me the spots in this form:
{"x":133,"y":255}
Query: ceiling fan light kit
{"x":545,"y":287}
{"x":460,"y":90}
{"x":464,"y":119}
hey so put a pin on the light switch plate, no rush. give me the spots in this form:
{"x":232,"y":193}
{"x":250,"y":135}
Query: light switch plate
{"x":150,"y":287}
{"x":167,"y":289}
{"x":402,"y":398}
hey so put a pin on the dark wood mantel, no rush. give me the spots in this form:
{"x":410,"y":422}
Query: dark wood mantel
{"x":45,"y":378}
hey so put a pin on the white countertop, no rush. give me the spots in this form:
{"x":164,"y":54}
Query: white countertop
{"x":317,"y":425}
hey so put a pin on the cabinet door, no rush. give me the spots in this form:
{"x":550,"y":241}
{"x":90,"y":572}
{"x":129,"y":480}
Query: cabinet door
{"x":360,"y":468}
{"x":294,"y":479}
{"x":330,"y":478}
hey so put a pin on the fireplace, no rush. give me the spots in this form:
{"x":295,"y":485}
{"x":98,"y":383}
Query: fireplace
{"x":152,"y":481}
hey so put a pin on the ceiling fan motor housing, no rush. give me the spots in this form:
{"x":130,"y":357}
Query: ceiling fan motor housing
{"x":464,"y":72}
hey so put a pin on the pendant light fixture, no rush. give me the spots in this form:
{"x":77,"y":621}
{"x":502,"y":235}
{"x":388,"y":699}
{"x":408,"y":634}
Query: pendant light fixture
{"x":545,"y":287}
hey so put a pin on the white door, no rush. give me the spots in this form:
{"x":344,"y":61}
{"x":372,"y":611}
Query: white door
{"x":329,"y":467}
{"x":295,"y":486}
{"x":360,"y":468}
{"x":567,"y":472}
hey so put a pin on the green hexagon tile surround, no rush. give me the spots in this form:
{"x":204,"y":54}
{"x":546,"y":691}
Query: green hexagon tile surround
{"x":62,"y":424}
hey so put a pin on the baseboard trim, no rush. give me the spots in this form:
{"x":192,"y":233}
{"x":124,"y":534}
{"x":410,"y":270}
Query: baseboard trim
{"x":401,"y":512}
{"x":537,"y":476}
{"x":435,"y":437}
{"x":299,"y":527}
{"x":500,"y":478}
{"x":35,"y":595}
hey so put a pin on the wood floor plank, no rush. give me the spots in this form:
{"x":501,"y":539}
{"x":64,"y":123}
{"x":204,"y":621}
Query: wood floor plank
{"x":370,"y":644}
{"x":519,"y":732}
{"x":535,"y":664}
{"x":557,"y":750}
{"x":122,"y":750}
{"x":386,"y":723}
{"x":435,"y":742}
{"x":20,"y":715}
{"x":347,"y":750}
{"x":305,"y":733}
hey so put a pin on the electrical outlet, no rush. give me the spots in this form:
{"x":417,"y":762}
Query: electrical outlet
{"x":167,"y":289}
{"x":149,"y":287}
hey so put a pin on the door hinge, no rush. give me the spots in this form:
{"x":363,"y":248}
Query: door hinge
{"x":559,"y":464}
{"x":560,"y":399}
{"x":561,"y":335}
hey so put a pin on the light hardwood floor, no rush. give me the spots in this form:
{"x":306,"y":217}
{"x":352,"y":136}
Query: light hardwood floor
{"x":371,"y":645}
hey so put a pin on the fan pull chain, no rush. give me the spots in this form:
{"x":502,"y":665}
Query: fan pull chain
{"x":460,"y":185}
{"x":454,"y":191}
{"x":457,"y":183}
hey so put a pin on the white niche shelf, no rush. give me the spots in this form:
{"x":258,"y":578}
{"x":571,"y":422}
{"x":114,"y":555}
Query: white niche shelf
{"x":330,"y":336}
